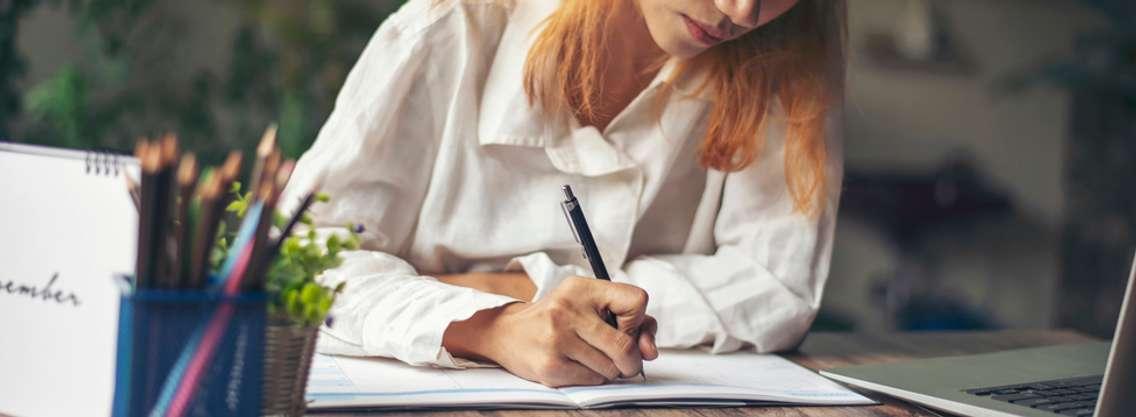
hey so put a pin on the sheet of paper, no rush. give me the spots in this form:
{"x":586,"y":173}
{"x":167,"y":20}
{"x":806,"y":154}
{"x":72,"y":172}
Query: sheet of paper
{"x":677,"y":378}
{"x":344,"y":382}
{"x":693,"y":377}
{"x":65,"y":231}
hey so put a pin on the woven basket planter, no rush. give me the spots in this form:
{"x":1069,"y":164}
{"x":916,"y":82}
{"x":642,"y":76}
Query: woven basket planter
{"x":288,"y":351}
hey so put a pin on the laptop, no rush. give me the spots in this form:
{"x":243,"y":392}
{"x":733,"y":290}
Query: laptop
{"x":1092,"y":379}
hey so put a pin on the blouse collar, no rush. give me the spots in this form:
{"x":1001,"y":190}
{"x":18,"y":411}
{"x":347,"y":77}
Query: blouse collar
{"x":506,"y":116}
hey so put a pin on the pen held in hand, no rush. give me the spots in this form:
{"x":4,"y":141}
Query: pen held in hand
{"x":583,"y":235}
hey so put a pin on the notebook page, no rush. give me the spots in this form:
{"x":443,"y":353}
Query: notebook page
{"x":64,"y":232}
{"x":698,"y":378}
{"x":339,"y":382}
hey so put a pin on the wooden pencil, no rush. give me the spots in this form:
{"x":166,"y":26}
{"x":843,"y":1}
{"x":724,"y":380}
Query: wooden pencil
{"x":265,"y":251}
{"x":305,"y":204}
{"x":229,"y":172}
{"x":163,"y":240}
{"x":151,"y":163}
{"x":183,"y":221}
{"x":209,"y":193}
{"x":246,"y":277}
{"x":265,"y":149}
{"x":271,"y":165}
{"x":215,"y":197}
{"x":266,"y":195}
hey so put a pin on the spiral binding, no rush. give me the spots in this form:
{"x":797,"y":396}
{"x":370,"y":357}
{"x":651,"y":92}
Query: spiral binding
{"x":103,"y":162}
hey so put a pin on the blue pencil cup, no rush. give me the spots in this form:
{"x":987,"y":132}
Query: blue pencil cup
{"x":155,"y":327}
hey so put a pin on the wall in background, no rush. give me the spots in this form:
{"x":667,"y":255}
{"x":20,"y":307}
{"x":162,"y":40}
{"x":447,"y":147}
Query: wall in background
{"x":105,"y":73}
{"x":48,"y":38}
{"x":915,"y":120}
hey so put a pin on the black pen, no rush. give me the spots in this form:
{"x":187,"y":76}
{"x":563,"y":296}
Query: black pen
{"x":579,"y":225}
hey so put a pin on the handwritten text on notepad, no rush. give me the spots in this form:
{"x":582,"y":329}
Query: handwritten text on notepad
{"x":45,"y":293}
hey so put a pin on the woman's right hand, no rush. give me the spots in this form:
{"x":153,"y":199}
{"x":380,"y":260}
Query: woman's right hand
{"x":562,"y":340}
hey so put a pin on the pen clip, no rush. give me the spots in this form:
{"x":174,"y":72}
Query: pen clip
{"x":571,"y":225}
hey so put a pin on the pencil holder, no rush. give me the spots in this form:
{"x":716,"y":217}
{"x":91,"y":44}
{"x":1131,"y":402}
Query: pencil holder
{"x":189,"y":353}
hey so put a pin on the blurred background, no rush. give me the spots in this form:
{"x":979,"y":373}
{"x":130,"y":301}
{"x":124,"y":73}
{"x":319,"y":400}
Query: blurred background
{"x":990,"y":145}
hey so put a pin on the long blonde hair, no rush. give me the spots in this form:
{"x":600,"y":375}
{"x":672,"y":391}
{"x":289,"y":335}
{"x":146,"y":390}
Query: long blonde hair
{"x":797,"y":58}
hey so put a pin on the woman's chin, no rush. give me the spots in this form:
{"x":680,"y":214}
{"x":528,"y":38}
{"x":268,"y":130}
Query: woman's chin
{"x":681,"y":48}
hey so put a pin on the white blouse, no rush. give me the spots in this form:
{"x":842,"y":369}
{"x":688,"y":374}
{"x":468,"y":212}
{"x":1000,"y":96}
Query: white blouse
{"x":434,"y":149}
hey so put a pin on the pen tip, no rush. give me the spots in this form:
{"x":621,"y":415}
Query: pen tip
{"x":568,"y":191}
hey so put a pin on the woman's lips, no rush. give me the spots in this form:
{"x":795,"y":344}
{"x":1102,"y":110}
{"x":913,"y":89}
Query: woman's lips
{"x":701,"y":33}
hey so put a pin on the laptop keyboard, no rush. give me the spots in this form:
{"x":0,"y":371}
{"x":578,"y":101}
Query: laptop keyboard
{"x":1071,"y":397}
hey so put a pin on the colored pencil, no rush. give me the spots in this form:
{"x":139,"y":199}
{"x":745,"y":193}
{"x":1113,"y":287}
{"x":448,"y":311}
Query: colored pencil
{"x":305,"y":204}
{"x":209,"y":197}
{"x":264,"y":150}
{"x":149,"y":217}
{"x":264,"y":252}
{"x":183,"y":226}
{"x":161,"y":238}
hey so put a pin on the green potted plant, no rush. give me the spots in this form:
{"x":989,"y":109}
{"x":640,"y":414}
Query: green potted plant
{"x":297,"y":306}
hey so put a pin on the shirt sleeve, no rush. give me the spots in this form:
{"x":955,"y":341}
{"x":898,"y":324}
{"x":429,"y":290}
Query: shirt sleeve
{"x":374,"y":157}
{"x":761,"y":287}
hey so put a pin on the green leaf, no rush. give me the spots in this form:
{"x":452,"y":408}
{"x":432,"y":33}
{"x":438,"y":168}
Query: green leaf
{"x":236,"y":206}
{"x":291,"y":299}
{"x":310,"y":293}
{"x":325,"y":305}
{"x":311,"y":314}
{"x":291,"y":276}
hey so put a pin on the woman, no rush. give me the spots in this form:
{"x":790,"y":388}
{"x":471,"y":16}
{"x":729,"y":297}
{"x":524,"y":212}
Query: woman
{"x":696,"y":134}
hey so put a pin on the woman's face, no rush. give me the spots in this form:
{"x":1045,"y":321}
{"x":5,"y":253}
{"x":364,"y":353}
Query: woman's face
{"x":685,"y":28}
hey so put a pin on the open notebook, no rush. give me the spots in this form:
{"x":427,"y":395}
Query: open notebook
{"x":677,"y":378}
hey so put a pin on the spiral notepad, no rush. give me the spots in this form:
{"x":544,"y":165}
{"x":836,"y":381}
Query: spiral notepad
{"x":66,"y":228}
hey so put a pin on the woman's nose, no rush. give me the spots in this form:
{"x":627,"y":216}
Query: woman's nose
{"x":743,"y":13}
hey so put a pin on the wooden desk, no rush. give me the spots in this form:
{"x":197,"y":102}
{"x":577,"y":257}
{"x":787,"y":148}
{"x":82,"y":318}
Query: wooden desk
{"x":823,"y":351}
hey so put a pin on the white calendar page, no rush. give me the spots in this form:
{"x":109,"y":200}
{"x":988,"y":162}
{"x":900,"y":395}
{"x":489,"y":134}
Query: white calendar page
{"x":67,"y":225}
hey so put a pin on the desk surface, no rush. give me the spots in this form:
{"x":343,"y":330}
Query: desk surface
{"x":823,"y":351}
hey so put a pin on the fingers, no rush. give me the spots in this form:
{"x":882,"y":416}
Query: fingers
{"x":620,"y":348}
{"x":627,"y":302}
{"x":582,"y":302}
{"x":647,"y":347}
{"x":587,"y":355}
{"x":565,"y":372}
